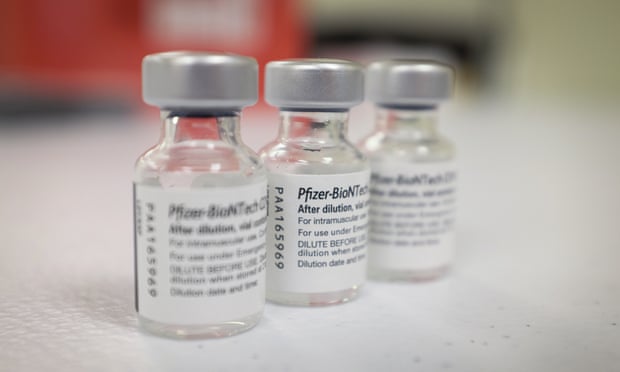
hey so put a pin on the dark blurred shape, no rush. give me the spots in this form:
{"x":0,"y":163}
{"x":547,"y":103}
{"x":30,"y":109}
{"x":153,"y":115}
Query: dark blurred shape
{"x":61,"y":51}
{"x":464,"y":33}
{"x":20,"y":105}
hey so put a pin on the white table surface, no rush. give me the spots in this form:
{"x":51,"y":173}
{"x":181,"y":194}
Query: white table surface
{"x":535,"y":286}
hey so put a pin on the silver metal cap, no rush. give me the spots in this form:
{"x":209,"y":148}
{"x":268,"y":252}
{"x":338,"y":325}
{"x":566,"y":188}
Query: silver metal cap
{"x":408,"y":82}
{"x":314,"y":84}
{"x":199,"y":80}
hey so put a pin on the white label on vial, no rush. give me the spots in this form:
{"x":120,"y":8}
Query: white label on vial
{"x":412,"y":210}
{"x":200,"y":254}
{"x":316,"y":235}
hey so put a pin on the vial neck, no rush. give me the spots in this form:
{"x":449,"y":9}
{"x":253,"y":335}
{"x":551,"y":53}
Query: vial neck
{"x":408,"y":123}
{"x":315,"y":126}
{"x":206,"y":126}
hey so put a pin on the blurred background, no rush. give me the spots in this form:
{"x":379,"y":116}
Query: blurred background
{"x":68,"y":57}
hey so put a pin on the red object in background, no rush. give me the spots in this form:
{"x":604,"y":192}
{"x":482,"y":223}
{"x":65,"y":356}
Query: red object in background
{"x":79,"y":46}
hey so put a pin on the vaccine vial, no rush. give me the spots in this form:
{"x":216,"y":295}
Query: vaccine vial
{"x":200,"y":200}
{"x":318,"y":184}
{"x":411,"y":235}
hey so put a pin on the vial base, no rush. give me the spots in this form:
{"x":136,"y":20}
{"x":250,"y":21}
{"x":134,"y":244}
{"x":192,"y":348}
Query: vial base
{"x":200,"y":331}
{"x":313,"y":299}
{"x":418,"y":275}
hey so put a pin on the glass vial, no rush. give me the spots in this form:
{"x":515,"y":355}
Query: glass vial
{"x":200,"y":200}
{"x":411,"y":235}
{"x":318,"y":184}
